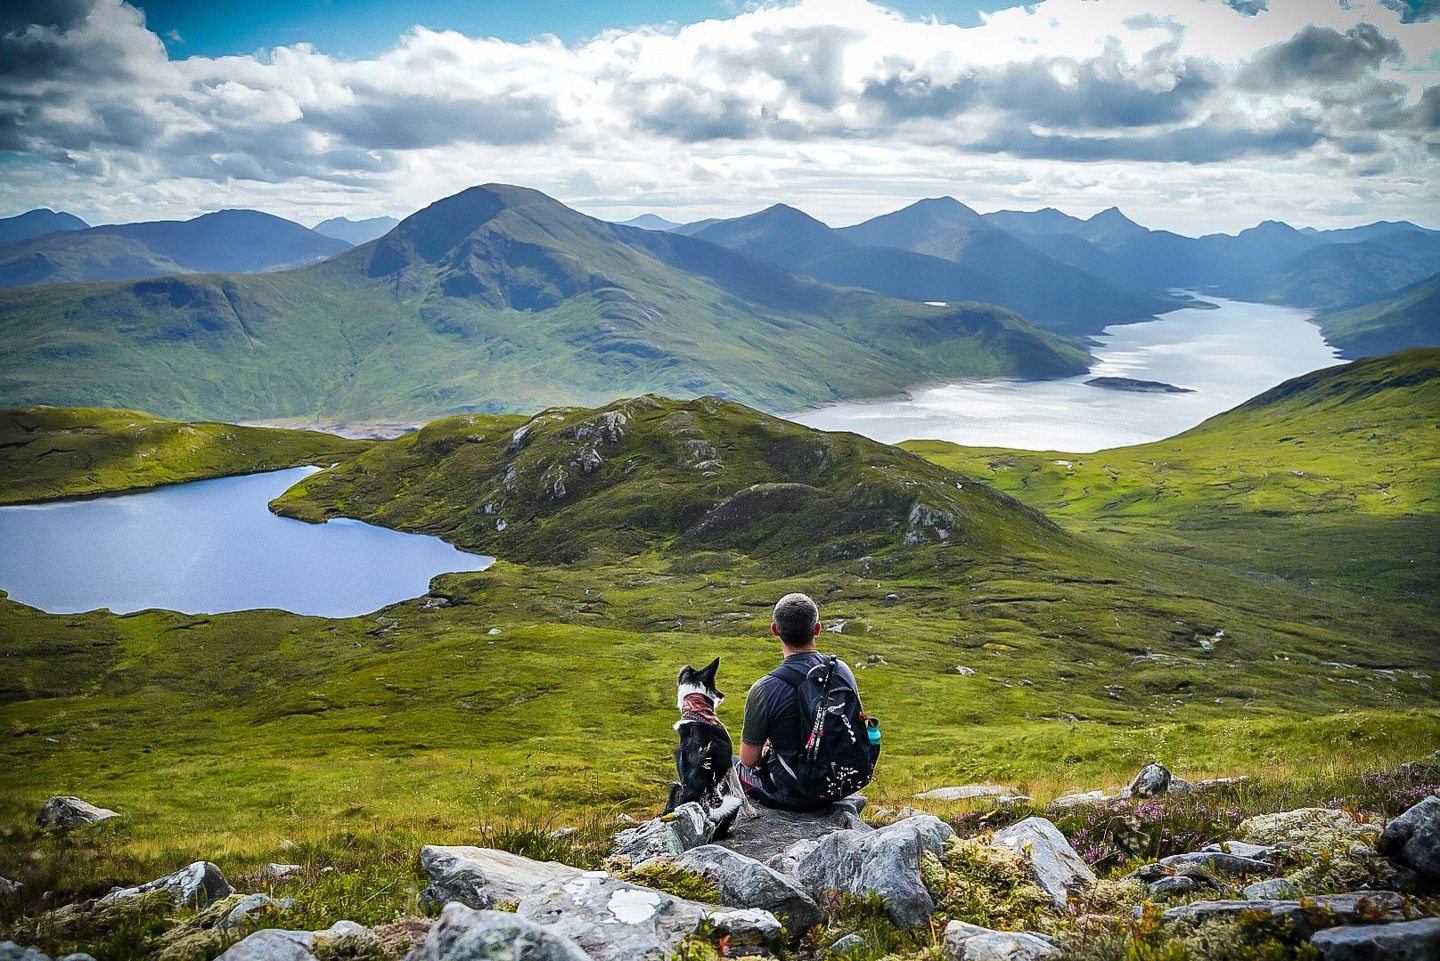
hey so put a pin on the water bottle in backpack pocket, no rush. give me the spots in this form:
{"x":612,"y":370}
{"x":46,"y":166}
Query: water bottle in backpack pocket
{"x":838,"y":755}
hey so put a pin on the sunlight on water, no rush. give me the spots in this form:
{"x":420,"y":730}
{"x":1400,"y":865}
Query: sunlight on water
{"x":1225,"y":356}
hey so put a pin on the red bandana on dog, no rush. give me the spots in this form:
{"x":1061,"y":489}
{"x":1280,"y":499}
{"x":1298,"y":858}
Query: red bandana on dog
{"x":698,"y":707}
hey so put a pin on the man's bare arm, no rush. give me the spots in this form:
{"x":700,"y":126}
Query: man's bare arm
{"x":750,"y":755}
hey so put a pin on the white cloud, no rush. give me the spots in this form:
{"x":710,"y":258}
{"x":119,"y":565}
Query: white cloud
{"x":1190,"y":114}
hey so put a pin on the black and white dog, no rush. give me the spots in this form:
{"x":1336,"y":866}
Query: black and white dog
{"x":703,"y":759}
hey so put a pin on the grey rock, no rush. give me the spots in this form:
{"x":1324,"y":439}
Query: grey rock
{"x":1215,"y":783}
{"x":764,"y":832}
{"x":9,"y":887}
{"x":65,"y":810}
{"x":1054,"y":864}
{"x":885,"y":862}
{"x":1166,"y":889}
{"x":278,"y":872}
{"x":1310,"y":827}
{"x":10,"y":951}
{"x":687,"y":827}
{"x":748,"y":927}
{"x":1152,"y":781}
{"x":1353,"y":906}
{"x":1402,"y":941}
{"x":1080,"y":799}
{"x":1178,"y":785}
{"x":970,"y":942}
{"x":464,"y":934}
{"x":234,"y":919}
{"x":963,"y":792}
{"x":195,"y":885}
{"x":483,"y":877}
{"x":1216,"y":862}
{"x":848,"y":945}
{"x":787,"y":862}
{"x":77,"y":956}
{"x":1261,"y":852}
{"x":613,"y":920}
{"x":275,"y":944}
{"x":1413,"y":839}
{"x":746,"y":883}
{"x":1271,"y":889}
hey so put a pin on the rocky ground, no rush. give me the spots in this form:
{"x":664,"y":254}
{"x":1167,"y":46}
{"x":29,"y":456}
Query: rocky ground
{"x":999,"y":881}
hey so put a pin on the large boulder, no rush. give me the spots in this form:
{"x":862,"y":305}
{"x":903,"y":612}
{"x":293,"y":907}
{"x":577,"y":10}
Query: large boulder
{"x":747,"y":928}
{"x":614,"y":920}
{"x":611,"y":920}
{"x":964,"y":792}
{"x":663,"y":838}
{"x":970,"y":942}
{"x":1413,"y":839}
{"x":885,"y":862}
{"x":484,"y":877}
{"x":275,"y":944}
{"x":763,"y":833}
{"x":464,"y":934}
{"x":64,"y":810}
{"x":1152,"y":781}
{"x":195,"y":886}
{"x":746,"y":883}
{"x":1403,"y":941}
{"x":1200,"y":864}
{"x":1057,"y":869}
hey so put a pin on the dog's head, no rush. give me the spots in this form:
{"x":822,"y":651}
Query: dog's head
{"x":702,"y":681}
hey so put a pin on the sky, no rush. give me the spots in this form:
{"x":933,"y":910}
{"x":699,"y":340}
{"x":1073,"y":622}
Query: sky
{"x":1190,"y":115}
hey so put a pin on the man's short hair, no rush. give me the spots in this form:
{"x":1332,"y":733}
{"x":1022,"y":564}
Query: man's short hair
{"x":795,"y":618}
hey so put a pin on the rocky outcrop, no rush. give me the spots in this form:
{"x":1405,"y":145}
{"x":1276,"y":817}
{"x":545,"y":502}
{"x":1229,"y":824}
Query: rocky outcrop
{"x":1413,"y":839}
{"x":963,"y":792}
{"x":64,"y":810}
{"x":610,"y":919}
{"x":885,"y":862}
{"x":747,"y":928}
{"x":765,"y":833}
{"x":193,"y":886}
{"x":465,"y":934}
{"x":970,"y":942}
{"x":1204,"y":864}
{"x":275,"y":944}
{"x":662,"y":838}
{"x":1313,"y":828}
{"x":1271,"y":889}
{"x":484,"y":877}
{"x":1057,"y":869}
{"x":1403,"y":941}
{"x":746,"y":883}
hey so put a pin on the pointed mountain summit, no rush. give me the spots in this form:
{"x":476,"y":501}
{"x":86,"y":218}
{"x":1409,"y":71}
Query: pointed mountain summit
{"x":37,"y":223}
{"x":1110,"y":227}
{"x":910,"y":228}
{"x":498,"y":298}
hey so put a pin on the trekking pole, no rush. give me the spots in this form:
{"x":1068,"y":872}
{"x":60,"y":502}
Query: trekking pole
{"x":817,"y":730}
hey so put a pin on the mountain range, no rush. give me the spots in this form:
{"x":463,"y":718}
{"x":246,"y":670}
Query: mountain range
{"x":356,"y":231}
{"x":498,"y":298}
{"x":227,"y":241}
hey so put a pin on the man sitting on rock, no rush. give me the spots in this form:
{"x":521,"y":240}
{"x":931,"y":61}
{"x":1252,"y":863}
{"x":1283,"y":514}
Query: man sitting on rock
{"x":805,"y":743}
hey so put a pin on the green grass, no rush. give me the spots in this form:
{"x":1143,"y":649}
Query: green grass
{"x":49,"y":452}
{"x":541,"y":695}
{"x":496,"y":299}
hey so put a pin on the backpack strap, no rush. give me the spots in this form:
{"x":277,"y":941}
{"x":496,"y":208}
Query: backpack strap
{"x":788,"y":674}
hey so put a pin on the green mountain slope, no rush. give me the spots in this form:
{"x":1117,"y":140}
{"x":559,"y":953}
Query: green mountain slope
{"x":51,"y":452}
{"x":1330,"y":478}
{"x":1409,"y":318}
{"x":960,"y":260}
{"x":1346,"y":274}
{"x":236,"y":241}
{"x":496,"y":299}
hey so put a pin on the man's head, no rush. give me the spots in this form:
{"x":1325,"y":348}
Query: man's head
{"x":797,"y":622}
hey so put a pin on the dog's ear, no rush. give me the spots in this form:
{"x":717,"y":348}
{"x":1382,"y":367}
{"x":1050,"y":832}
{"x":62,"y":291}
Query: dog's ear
{"x":707,"y":674}
{"x":687,"y":675}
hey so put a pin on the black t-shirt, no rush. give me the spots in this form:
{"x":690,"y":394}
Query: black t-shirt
{"x":771,"y":713}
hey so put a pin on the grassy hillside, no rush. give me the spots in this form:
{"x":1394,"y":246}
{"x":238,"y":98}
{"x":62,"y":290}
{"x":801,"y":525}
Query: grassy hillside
{"x":1332,"y":478}
{"x":48,"y":452}
{"x":540,"y":692}
{"x":498,"y":299}
{"x":1410,"y":318}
